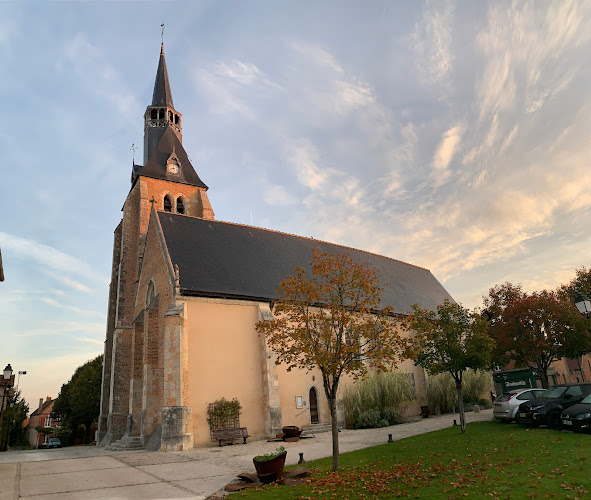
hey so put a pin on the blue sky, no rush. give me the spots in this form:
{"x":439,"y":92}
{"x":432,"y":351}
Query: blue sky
{"x":451,"y":135}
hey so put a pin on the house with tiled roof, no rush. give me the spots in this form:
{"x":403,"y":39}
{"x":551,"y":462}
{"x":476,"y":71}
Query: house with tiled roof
{"x":41,"y":417}
{"x":186,"y":292}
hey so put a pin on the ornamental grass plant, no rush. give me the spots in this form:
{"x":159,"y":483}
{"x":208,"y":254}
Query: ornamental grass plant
{"x":379,"y":401}
{"x":442,"y":395}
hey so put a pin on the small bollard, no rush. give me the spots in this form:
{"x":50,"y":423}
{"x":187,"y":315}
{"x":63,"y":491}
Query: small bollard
{"x":455,"y":423}
{"x":390,"y":440}
{"x":301,"y":460}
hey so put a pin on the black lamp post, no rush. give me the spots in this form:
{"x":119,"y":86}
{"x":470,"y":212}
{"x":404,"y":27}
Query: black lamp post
{"x":7,"y":383}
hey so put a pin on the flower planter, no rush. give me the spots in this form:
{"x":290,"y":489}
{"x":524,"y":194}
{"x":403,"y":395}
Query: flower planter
{"x":274,"y":465}
{"x":291,"y":431}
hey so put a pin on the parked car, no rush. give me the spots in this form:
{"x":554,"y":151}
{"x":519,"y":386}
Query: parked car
{"x":548,"y":408}
{"x":578,"y":417}
{"x":54,"y":443}
{"x":505,"y":406}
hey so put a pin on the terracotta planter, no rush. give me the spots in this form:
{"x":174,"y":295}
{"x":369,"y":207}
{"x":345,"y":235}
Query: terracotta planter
{"x":291,"y":432}
{"x":275,"y":465}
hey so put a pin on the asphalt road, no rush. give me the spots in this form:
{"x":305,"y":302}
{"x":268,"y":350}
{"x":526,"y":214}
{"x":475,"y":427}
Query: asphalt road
{"x":92,"y":472}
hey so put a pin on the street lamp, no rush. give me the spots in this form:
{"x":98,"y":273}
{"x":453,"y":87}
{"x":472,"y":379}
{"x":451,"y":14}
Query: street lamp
{"x":24,"y":372}
{"x":7,"y":372}
{"x":583,"y":304}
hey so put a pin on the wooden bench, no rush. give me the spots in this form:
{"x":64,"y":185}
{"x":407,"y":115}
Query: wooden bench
{"x":231,"y":434}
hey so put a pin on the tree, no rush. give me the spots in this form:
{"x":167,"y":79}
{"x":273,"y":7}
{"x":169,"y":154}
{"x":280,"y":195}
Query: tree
{"x":580,"y":284}
{"x":78,"y":403}
{"x":536,"y":329}
{"x":13,"y":417}
{"x":331,"y":321}
{"x":451,"y":339}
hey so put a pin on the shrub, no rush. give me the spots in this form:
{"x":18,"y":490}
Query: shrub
{"x":383,"y":423}
{"x":368,"y":419}
{"x":389,"y":394}
{"x":442,"y":394}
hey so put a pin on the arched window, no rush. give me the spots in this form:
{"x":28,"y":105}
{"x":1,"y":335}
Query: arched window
{"x":154,"y":114}
{"x":161,"y":114}
{"x":180,"y":206}
{"x":170,"y":116}
{"x":167,"y":204}
{"x":176,"y":119}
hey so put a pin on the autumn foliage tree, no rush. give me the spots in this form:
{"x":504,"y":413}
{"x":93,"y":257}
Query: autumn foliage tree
{"x":451,"y":339}
{"x":330,"y":320}
{"x":534,"y":329}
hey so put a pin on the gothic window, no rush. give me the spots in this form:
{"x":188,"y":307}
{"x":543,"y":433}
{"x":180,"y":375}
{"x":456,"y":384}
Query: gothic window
{"x":154,"y":114}
{"x":161,"y":114}
{"x":170,"y":116}
{"x":180,"y":206}
{"x":176,"y":119}
{"x":167,"y":204}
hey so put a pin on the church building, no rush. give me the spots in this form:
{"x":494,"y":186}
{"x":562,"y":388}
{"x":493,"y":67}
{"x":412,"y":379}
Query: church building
{"x":185,"y":294}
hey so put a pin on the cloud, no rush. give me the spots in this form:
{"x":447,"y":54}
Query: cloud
{"x":275,"y":195}
{"x":447,"y":148}
{"x":91,"y":67}
{"x":431,"y":42}
{"x":50,"y":259}
{"x":231,"y":86}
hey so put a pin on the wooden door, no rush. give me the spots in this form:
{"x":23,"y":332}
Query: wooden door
{"x":313,"y":406}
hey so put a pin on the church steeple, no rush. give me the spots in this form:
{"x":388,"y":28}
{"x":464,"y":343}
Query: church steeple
{"x":161,"y":113}
{"x":162,"y":94}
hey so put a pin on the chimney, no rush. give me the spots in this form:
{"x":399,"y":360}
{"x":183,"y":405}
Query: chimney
{"x":40,"y":404}
{"x":48,"y":398}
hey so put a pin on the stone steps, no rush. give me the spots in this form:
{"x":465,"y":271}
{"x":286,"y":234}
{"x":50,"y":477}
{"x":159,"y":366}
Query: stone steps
{"x":126,"y":443}
{"x":318,"y":428}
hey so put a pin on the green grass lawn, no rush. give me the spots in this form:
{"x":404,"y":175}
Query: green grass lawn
{"x":491,"y":460}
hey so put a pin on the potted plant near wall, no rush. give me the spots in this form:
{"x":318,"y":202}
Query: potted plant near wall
{"x":270,"y":466}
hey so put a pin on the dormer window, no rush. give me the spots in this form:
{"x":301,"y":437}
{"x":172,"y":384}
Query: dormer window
{"x":167,"y":203}
{"x":180,"y":206}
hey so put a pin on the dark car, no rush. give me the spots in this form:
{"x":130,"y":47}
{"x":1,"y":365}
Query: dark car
{"x":54,"y":443}
{"x":548,"y":409}
{"x":578,"y":417}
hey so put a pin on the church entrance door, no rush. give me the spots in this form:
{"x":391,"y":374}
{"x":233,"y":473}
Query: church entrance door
{"x":313,"y":406}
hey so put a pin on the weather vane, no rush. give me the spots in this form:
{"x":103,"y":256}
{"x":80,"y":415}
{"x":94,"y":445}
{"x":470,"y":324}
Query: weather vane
{"x":162,"y":34}
{"x":133,"y":148}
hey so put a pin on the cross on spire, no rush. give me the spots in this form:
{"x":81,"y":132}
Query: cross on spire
{"x":132,"y":149}
{"x":162,"y":33}
{"x":152,"y":201}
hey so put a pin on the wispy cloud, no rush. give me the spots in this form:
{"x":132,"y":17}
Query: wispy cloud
{"x":50,"y":259}
{"x":447,"y":148}
{"x":432,"y":39}
{"x":92,"y":67}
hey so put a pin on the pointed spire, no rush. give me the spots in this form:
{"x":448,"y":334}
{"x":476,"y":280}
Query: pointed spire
{"x":162,"y":95}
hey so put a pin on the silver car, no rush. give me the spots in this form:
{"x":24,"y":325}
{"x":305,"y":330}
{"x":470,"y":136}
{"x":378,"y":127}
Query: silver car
{"x":505,"y":406}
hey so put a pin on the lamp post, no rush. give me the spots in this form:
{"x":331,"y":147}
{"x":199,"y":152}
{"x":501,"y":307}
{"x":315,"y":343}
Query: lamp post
{"x":584,"y":306}
{"x":24,"y":372}
{"x":7,"y":383}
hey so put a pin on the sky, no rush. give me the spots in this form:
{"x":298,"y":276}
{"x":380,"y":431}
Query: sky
{"x":451,"y":135}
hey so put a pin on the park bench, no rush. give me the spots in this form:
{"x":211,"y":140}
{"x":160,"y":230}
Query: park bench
{"x":231,"y":434}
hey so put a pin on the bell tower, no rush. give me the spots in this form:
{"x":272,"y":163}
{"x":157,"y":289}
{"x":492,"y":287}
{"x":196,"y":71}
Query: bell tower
{"x":161,"y":113}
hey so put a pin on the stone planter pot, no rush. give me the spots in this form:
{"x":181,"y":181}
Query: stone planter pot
{"x":273,"y":466}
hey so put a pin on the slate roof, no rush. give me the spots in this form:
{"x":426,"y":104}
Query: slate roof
{"x":221,"y":259}
{"x":156,"y":165}
{"x":162,"y":95}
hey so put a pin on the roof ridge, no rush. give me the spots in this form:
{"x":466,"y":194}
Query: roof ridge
{"x":297,"y":236}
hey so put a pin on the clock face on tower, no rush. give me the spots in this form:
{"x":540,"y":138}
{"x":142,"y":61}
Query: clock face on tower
{"x":173,"y":168}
